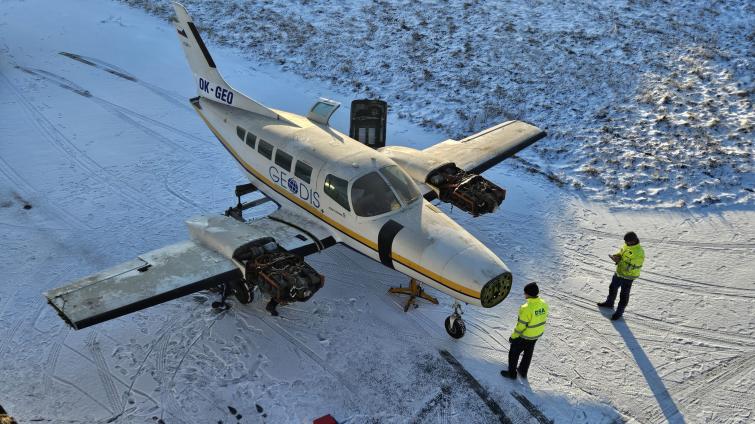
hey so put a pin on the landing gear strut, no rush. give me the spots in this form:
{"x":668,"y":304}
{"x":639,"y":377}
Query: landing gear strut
{"x":240,"y":289}
{"x":222,"y":305}
{"x":454,"y":324}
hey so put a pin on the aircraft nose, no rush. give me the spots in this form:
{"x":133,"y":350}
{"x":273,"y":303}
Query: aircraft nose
{"x":476,"y":266}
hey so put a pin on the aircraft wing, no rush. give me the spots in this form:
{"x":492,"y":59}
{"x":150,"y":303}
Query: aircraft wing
{"x":480,"y":152}
{"x":202,"y":262}
{"x":474,"y":154}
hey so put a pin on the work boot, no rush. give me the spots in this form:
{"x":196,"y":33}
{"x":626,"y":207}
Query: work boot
{"x":507,"y":374}
{"x":605,"y":305}
{"x":522,"y":373}
{"x":615,"y":316}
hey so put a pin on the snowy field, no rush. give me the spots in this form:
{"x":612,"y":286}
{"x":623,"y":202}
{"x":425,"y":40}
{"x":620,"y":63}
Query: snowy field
{"x":647,"y":103}
{"x":102,"y":158}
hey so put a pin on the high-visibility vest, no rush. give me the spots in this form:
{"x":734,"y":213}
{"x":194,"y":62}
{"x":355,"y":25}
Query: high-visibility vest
{"x":632,"y":258}
{"x":532,"y":317}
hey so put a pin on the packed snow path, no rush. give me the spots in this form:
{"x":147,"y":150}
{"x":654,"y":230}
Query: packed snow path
{"x":101,"y":159}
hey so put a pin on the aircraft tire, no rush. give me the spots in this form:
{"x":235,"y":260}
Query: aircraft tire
{"x":456,"y":330}
{"x":243,"y":292}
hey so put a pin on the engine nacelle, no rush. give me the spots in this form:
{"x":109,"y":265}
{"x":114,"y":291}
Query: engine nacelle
{"x":282,"y":275}
{"x":469,"y":192}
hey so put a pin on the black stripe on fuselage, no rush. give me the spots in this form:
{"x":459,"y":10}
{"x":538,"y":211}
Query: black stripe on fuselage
{"x":205,"y":52}
{"x":385,"y":241}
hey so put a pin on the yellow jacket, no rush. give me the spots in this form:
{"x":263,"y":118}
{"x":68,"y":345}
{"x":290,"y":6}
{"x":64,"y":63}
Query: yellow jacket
{"x":532,"y":317}
{"x":632,"y":258}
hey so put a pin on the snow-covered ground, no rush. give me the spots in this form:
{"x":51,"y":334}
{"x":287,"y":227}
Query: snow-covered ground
{"x":111,"y":159}
{"x":647,"y":103}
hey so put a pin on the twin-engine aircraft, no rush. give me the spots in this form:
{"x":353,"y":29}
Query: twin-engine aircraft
{"x":330,"y":189}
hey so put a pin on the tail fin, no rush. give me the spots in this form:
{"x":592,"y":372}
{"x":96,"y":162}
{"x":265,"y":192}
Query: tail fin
{"x":210,"y":84}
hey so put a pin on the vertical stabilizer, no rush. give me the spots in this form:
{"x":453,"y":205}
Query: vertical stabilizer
{"x":210,"y":84}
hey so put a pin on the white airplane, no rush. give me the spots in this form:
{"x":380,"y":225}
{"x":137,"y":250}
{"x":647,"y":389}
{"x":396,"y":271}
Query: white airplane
{"x":330,"y":189}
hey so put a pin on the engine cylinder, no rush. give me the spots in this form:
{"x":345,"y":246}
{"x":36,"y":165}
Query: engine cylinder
{"x":469,"y":192}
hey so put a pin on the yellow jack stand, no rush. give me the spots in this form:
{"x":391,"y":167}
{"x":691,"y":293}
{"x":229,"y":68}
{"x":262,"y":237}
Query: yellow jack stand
{"x":413,"y":291}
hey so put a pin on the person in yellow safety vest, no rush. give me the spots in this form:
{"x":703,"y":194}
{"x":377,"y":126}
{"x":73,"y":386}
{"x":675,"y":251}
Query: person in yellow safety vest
{"x":628,"y":262}
{"x":532,"y":317}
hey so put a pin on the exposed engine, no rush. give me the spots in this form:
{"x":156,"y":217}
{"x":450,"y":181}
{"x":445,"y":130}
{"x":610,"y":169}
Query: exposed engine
{"x":282,"y":275}
{"x":469,"y":192}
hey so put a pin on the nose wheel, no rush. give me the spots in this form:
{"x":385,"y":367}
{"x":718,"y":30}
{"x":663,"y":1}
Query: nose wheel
{"x":455,"y":324}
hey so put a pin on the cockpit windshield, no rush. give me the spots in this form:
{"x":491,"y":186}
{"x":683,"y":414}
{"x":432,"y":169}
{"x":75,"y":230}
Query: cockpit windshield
{"x":404,"y":186}
{"x":371,"y":196}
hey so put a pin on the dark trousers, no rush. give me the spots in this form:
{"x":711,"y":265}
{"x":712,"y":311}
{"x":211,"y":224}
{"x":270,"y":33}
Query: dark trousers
{"x":626,"y":286}
{"x":517,"y":347}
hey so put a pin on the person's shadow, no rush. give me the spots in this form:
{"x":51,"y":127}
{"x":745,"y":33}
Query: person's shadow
{"x":662,"y":396}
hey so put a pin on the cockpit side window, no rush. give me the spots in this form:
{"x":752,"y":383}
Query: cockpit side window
{"x":372,"y":196}
{"x":336,"y":189}
{"x":402,"y":183}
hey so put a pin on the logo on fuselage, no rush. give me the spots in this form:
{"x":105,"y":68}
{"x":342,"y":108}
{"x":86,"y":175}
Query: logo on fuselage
{"x":299,"y":189}
{"x":293,"y":186}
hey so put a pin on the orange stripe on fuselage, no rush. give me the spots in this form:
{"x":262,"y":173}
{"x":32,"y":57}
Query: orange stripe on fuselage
{"x":356,"y":236}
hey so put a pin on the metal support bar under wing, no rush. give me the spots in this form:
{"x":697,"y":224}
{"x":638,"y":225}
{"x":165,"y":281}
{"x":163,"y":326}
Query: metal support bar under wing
{"x":150,"y":279}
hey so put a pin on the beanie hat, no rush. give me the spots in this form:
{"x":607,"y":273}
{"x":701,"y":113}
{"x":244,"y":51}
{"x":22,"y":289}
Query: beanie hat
{"x":532,"y":289}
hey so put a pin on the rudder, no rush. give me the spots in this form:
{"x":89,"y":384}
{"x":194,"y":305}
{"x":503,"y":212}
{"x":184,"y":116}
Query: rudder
{"x":210,"y":84}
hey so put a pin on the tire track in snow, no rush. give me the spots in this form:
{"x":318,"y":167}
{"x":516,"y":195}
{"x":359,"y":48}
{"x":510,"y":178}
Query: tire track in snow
{"x":25,"y":187}
{"x":691,"y":394}
{"x":679,"y":284}
{"x":323,"y":364}
{"x":84,"y":393}
{"x":130,"y":117}
{"x":68,"y":148}
{"x":52,"y":361}
{"x":11,"y":333}
{"x":731,"y":340}
{"x":682,"y":243}
{"x":121,"y":73}
{"x":103,"y":371}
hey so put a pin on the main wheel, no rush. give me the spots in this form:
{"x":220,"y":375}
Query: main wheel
{"x":243,"y":292}
{"x":456,"y":330}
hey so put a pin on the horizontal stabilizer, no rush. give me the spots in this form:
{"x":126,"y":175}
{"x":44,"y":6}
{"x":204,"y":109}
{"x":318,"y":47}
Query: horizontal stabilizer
{"x":150,"y":279}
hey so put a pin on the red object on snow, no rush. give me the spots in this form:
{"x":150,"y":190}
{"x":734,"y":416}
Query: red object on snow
{"x":327,"y":419}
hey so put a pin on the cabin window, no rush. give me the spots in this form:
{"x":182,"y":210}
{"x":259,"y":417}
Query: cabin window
{"x":372,"y":196}
{"x":240,"y":132}
{"x":265,"y":149}
{"x":303,"y":171}
{"x":250,"y":139}
{"x":403,"y":185}
{"x":283,"y":160}
{"x":335,"y":188}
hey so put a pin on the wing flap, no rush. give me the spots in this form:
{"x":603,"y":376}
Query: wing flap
{"x":152,"y":278}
